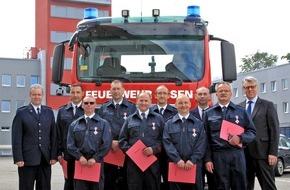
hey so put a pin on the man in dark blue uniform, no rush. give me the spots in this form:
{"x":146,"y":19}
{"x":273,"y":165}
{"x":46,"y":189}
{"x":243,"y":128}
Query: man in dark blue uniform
{"x":116,"y":111}
{"x":66,"y":115}
{"x":34,"y":142}
{"x":184,"y":140}
{"x":89,"y":140}
{"x":202,"y":97}
{"x":147,"y":126}
{"x":167,"y":111}
{"x":225,"y":158}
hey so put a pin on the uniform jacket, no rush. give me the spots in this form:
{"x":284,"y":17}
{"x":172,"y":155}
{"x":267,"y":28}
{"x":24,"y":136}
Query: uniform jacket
{"x":184,"y":141}
{"x":235,"y":114}
{"x":92,"y":140}
{"x":34,"y":135}
{"x":195,"y":113}
{"x":167,"y":113}
{"x":65,"y":117}
{"x":116,"y":119}
{"x":151,"y":134}
{"x":266,"y":121}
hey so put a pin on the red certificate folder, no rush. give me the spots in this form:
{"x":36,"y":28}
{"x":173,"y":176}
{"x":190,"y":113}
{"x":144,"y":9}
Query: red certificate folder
{"x":116,"y":158}
{"x":229,"y":129}
{"x":141,"y":160}
{"x":176,"y":174}
{"x":64,"y":168}
{"x":86,"y":173}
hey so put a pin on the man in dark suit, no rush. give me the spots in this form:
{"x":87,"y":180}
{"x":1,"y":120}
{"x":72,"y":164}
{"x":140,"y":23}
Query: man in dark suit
{"x":167,"y":111}
{"x":66,"y":115}
{"x":202,"y":97}
{"x":261,"y":154}
{"x":34,"y":142}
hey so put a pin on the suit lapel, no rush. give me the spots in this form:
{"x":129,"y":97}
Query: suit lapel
{"x":31,"y":110}
{"x":256,"y":108}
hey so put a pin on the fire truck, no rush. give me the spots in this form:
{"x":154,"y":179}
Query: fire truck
{"x":143,"y":53}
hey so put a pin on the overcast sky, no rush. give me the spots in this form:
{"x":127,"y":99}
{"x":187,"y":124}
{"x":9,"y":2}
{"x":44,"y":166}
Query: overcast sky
{"x":251,"y":25}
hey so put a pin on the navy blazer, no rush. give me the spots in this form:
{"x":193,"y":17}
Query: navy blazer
{"x":168,"y":113}
{"x":195,"y":113}
{"x":34,"y":135}
{"x":266,"y":121}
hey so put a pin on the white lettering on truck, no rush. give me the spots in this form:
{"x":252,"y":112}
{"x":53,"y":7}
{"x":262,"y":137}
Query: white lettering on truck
{"x":132,"y":94}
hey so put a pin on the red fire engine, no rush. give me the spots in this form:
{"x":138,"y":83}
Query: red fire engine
{"x":142,"y":52}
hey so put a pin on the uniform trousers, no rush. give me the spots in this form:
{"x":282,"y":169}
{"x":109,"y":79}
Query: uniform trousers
{"x":137,"y":179}
{"x":230,"y":169}
{"x":40,"y":174}
{"x":69,"y":182}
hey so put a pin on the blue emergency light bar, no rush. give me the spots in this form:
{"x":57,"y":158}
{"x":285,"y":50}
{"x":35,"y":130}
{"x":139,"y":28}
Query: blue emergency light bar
{"x":193,"y":11}
{"x":90,"y":13}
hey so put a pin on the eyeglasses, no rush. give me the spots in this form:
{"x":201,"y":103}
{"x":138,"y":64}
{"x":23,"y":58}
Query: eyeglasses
{"x":162,"y":93}
{"x":250,"y":87}
{"x":91,"y":103}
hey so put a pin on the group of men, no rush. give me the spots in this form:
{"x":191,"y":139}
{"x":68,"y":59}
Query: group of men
{"x":175,"y":134}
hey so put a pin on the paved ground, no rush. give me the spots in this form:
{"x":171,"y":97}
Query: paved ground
{"x":9,"y":178}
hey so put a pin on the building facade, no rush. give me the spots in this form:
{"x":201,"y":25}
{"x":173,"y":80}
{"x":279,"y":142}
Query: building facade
{"x":17,"y":75}
{"x":56,"y":21}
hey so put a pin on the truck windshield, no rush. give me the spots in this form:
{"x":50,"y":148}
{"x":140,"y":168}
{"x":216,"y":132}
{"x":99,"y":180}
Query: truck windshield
{"x":109,"y":53}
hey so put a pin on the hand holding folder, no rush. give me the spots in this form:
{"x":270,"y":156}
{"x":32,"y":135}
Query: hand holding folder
{"x":137,"y":155}
{"x":87,"y":173}
{"x":176,"y":174}
{"x":229,"y":129}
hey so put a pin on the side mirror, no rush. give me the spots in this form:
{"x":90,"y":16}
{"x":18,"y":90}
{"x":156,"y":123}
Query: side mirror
{"x":58,"y":63}
{"x":229,"y":67}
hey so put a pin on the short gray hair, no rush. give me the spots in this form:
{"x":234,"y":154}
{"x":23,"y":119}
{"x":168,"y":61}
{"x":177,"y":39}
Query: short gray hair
{"x":36,"y":86}
{"x":250,"y":79}
{"x":225,"y":83}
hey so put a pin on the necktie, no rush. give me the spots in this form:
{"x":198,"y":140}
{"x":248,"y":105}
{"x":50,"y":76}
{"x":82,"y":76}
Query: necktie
{"x":183,"y":120}
{"x":143,"y":116}
{"x":75,"y":110}
{"x":87,"y":124}
{"x":202,"y":113}
{"x":249,"y":108}
{"x":38,"y":110}
{"x":87,"y":119}
{"x":224,"y":109}
{"x":117,"y":107}
{"x":161,"y":111}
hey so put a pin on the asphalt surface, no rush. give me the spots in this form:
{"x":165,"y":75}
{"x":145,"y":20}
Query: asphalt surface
{"x":9,"y":176}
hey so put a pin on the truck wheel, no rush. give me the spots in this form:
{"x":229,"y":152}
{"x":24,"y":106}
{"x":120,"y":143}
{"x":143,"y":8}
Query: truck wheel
{"x":279,"y":168}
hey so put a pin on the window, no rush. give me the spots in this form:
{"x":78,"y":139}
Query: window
{"x":72,"y":12}
{"x":20,"y":80}
{"x":5,"y":106}
{"x":263,"y":88}
{"x":284,"y":84}
{"x":57,"y":37}
{"x":5,"y":128}
{"x":34,"y":80}
{"x":236,"y":92}
{"x":285,"y":107}
{"x":6,"y":80}
{"x":20,"y":103}
{"x":273,"y":86}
